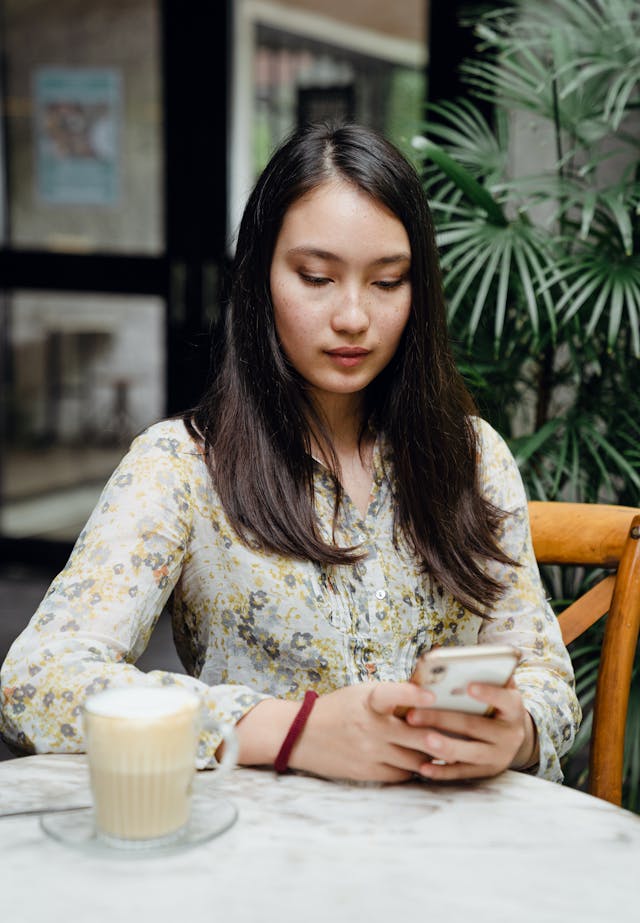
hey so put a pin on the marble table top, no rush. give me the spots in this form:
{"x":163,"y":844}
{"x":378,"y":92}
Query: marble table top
{"x":305,"y":849}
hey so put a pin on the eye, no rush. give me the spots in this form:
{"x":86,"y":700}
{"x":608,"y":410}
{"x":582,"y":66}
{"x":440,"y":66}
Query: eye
{"x":314,"y":280}
{"x":390,"y":284}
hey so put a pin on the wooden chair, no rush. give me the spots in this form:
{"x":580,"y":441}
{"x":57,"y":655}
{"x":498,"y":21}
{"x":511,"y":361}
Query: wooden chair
{"x":593,"y":534}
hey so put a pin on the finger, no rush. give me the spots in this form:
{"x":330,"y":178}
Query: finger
{"x":412,"y":741}
{"x":437,"y":772}
{"x":381,"y":772}
{"x":451,"y":749}
{"x":503,"y":699}
{"x":458,"y":723}
{"x":407,"y":760}
{"x":387,"y":773}
{"x":457,"y":750}
{"x":386,"y":698}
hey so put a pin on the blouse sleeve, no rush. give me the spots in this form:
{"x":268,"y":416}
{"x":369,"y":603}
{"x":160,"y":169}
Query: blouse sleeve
{"x":98,"y":614}
{"x":523,"y":616}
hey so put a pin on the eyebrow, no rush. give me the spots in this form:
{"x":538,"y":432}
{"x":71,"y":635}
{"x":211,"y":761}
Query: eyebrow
{"x":327,"y":255}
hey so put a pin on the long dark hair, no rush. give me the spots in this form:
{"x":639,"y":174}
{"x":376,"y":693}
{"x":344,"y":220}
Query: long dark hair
{"x":255,"y":418}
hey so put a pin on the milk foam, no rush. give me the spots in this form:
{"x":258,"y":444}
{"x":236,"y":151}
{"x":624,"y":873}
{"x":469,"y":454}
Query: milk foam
{"x":141,"y":702}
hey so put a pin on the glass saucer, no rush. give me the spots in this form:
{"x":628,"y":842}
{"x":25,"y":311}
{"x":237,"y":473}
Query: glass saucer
{"x":209,"y":818}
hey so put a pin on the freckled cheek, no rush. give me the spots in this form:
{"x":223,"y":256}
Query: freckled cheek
{"x":291,"y":320}
{"x":392,"y":324}
{"x":285,"y":311}
{"x":295,"y":330}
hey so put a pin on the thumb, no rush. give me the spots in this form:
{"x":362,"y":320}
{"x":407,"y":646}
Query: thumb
{"x":397,"y":698}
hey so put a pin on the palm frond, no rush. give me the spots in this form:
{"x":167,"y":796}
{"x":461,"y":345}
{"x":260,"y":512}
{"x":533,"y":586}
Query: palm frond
{"x":598,"y":286}
{"x":472,"y":189}
{"x":545,"y":294}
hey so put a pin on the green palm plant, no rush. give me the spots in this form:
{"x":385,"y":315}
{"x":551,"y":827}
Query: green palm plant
{"x":542,"y":260}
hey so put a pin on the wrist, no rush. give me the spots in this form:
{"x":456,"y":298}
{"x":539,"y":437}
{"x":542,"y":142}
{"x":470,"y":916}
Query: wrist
{"x":528,"y":754}
{"x":262,"y":730}
{"x":295,"y":731}
{"x":309,"y":751}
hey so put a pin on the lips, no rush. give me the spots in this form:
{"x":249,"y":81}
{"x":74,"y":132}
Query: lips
{"x":348,"y":357}
{"x":348,"y":352}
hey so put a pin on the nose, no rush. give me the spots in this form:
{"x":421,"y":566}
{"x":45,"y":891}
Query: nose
{"x":350,"y":314}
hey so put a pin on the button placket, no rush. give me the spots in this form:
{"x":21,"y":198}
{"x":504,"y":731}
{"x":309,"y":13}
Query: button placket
{"x":341,"y":611}
{"x":330,"y":602}
{"x":375,"y":588}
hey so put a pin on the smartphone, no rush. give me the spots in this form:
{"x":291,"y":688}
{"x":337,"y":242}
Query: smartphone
{"x":447,"y":672}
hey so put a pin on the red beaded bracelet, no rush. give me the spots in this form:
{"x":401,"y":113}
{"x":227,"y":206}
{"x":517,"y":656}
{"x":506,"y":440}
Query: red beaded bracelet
{"x":282,"y":759}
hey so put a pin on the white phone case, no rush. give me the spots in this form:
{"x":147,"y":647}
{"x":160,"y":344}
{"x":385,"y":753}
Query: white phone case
{"x":448,"y":671}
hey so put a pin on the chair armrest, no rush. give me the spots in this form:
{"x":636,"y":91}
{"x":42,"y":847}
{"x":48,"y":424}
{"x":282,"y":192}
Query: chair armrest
{"x":614,"y":676}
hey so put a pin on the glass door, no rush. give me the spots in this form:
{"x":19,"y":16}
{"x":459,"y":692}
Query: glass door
{"x":109,"y":259}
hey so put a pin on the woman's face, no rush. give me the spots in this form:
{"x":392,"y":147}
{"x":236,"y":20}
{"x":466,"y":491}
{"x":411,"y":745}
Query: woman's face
{"x":340,"y":286}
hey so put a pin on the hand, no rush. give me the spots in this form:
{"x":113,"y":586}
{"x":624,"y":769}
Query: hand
{"x":352,"y":733}
{"x":487,"y":746}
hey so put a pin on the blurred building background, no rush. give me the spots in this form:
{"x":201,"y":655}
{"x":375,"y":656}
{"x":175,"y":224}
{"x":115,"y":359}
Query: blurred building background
{"x":132,"y":131}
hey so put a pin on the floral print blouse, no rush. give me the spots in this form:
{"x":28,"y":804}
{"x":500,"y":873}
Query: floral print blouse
{"x":250,"y":624}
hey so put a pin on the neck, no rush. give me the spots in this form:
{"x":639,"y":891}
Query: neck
{"x":342,"y":415}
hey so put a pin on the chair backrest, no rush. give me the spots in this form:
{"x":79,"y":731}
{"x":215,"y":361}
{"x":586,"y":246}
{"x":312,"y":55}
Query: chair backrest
{"x":592,"y":534}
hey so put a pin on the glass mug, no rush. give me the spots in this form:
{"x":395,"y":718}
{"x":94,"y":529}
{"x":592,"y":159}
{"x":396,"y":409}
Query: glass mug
{"x":141,"y":747}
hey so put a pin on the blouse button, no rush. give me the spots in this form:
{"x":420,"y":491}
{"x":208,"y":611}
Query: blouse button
{"x":380,"y":594}
{"x":361,"y":538}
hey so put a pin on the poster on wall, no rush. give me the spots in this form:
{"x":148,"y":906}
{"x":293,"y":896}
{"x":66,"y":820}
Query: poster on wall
{"x":77,"y":135}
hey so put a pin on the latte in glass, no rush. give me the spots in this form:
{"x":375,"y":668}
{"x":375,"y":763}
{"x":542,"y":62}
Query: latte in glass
{"x":141,"y":747}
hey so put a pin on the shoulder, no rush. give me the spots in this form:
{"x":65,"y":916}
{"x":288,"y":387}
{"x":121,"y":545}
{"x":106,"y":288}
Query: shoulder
{"x":490,"y":443}
{"x":160,"y":456}
{"x":151,"y":490}
{"x":167,"y":438}
{"x":498,"y":473}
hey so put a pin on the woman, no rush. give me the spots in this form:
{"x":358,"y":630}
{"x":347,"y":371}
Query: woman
{"x":330,"y":510}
